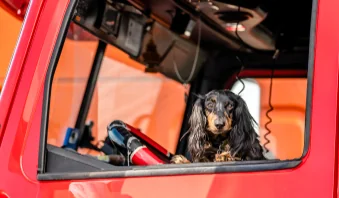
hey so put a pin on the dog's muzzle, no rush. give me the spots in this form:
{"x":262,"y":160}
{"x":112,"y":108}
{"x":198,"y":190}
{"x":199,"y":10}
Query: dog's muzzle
{"x":219,"y":123}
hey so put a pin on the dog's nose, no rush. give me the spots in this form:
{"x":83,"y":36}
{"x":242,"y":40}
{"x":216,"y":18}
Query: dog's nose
{"x":219,"y":124}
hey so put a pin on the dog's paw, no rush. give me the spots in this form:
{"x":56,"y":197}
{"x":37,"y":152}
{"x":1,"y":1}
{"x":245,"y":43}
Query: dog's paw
{"x":225,"y":157}
{"x":179,"y":159}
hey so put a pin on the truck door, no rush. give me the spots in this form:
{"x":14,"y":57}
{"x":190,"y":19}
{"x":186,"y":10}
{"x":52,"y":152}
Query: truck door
{"x":37,"y":169}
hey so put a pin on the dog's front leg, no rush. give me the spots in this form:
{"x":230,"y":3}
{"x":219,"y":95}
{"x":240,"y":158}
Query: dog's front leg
{"x":179,"y":159}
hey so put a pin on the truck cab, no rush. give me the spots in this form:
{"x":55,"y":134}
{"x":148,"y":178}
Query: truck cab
{"x":79,"y":64}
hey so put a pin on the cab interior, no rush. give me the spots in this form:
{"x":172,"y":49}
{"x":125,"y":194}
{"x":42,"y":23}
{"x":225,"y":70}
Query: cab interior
{"x":149,"y":75}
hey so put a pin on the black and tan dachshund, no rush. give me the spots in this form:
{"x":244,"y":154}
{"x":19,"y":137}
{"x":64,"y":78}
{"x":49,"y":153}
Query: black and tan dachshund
{"x":221,"y":129}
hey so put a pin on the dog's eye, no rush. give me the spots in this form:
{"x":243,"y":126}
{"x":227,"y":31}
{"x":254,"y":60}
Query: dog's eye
{"x":229,"y":106}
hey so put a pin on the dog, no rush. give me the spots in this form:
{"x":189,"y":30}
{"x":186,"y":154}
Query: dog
{"x":221,"y":129}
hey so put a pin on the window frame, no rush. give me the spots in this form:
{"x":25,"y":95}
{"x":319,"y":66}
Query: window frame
{"x":167,"y":169}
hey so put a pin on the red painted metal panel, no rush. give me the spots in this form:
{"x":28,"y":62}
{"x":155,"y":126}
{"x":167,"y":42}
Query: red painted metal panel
{"x":20,"y":98}
{"x":14,"y":72}
{"x":315,"y":177}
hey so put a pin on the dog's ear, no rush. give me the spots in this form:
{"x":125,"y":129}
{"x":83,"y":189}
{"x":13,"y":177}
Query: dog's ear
{"x":243,"y":138}
{"x":197,"y":137}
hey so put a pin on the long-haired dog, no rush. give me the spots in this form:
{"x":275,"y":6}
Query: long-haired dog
{"x":221,"y":129}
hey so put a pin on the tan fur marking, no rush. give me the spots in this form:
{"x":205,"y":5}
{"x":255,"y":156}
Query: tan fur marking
{"x":179,"y":159}
{"x":228,"y":125}
{"x":210,"y":122}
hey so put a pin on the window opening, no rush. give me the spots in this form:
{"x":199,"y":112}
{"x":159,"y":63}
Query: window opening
{"x":103,"y":100}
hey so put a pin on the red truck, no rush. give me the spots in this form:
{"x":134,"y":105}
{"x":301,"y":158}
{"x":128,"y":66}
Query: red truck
{"x":207,"y":44}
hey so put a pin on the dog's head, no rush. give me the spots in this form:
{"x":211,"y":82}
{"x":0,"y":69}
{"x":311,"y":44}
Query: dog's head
{"x":217,"y":113}
{"x":218,"y":108}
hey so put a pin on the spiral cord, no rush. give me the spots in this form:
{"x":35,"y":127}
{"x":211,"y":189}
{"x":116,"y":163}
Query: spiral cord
{"x":271,"y":108}
{"x":267,"y":114}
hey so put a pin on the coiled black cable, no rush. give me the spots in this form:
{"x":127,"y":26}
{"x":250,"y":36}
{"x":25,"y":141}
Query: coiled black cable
{"x":268,"y":111}
{"x":271,"y":108}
